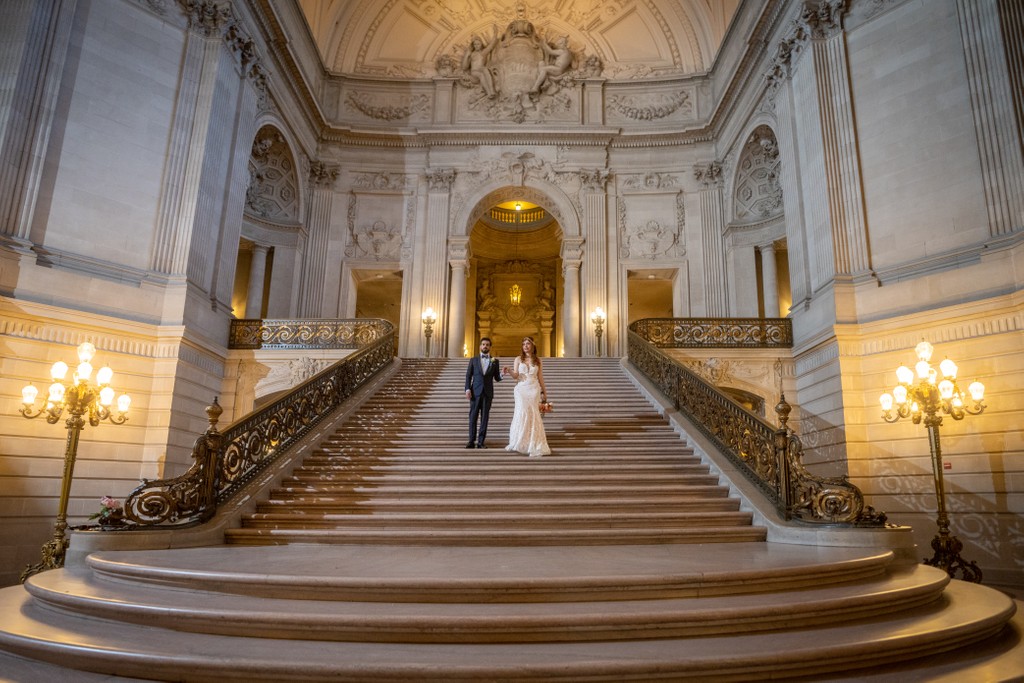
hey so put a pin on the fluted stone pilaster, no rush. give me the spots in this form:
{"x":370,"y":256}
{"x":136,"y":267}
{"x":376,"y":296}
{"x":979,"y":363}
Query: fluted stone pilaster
{"x":712,"y":225}
{"x":993,"y":68}
{"x":31,"y":69}
{"x":318,"y":226}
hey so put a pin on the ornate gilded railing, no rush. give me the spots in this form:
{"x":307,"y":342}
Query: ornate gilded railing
{"x":679,"y":333}
{"x":771,"y":458}
{"x":306,"y":334}
{"x":226,"y":461}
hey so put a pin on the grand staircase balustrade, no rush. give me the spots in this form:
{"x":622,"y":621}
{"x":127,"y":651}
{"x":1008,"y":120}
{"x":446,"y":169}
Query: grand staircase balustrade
{"x":771,"y":458}
{"x":223,"y":462}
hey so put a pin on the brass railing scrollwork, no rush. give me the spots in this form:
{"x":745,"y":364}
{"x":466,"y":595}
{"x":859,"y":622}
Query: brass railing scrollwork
{"x":682,"y":333}
{"x":224,"y":462}
{"x":306,"y":334}
{"x":771,"y":458}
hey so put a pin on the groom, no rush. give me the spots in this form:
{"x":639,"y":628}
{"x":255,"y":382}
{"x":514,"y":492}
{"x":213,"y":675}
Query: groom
{"x":481,"y":375}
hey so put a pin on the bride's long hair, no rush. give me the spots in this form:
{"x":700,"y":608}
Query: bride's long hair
{"x":535,"y":359}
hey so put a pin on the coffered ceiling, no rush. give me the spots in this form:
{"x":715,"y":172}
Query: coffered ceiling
{"x":404,"y":38}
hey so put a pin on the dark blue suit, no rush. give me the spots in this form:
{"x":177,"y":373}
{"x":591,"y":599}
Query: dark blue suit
{"x":480,"y":381}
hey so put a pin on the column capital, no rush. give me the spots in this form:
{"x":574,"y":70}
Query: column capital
{"x":709,"y":174}
{"x":572,"y":250}
{"x":322,"y":175}
{"x":594,"y":180}
{"x":440,"y":179}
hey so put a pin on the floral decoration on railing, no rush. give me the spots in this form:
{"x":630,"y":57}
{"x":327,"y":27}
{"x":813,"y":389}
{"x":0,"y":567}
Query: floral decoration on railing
{"x":224,"y":462}
{"x":682,"y":333}
{"x":771,"y":458}
{"x":306,"y":334}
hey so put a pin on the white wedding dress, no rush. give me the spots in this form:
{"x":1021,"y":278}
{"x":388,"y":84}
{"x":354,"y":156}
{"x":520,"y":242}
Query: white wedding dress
{"x":526,"y":435}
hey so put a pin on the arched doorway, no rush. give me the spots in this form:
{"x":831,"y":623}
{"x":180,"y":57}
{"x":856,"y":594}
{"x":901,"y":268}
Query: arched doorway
{"x":515,"y":278}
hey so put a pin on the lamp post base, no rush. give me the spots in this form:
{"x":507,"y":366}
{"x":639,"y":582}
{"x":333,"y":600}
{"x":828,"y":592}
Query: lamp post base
{"x":947,"y":556}
{"x":53,"y":557}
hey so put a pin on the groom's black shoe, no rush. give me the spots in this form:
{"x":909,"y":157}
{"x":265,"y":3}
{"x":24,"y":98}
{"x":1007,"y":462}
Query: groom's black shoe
{"x":470,"y":445}
{"x":481,"y":445}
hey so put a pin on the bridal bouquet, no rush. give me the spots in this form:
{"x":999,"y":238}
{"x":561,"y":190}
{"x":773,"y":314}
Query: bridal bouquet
{"x":546,"y":406}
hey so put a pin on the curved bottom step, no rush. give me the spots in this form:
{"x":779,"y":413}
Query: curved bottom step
{"x":972,"y":613}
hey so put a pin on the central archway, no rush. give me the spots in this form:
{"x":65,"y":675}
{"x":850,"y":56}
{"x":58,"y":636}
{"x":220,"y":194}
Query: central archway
{"x":517,"y":282}
{"x":551,"y":273}
{"x":515,"y":278}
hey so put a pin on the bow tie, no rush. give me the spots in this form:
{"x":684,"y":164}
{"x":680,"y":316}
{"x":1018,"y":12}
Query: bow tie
{"x":485,"y":357}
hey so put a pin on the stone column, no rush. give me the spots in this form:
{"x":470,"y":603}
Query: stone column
{"x":571,"y":260}
{"x":769,"y":281}
{"x":458,"y":260}
{"x":595,"y":263}
{"x":712,"y":218}
{"x":257,"y":277}
{"x":318,"y":226}
{"x":434,"y":260}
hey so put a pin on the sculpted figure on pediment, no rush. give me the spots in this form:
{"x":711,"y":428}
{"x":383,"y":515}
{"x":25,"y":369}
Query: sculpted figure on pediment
{"x":519,"y":74}
{"x":475,"y":62}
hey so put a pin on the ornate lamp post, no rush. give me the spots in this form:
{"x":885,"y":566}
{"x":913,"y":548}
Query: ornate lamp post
{"x":598,"y":318}
{"x":925,"y":401}
{"x":429,"y":318}
{"x":82,"y":400}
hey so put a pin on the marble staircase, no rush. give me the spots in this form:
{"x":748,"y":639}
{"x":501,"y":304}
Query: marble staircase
{"x":392,"y":553}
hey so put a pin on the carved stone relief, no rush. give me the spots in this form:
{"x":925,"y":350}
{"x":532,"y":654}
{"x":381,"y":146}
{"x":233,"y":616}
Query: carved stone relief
{"x":273,"y":184}
{"x":387,"y":108}
{"x":656,"y":229}
{"x":650,"y":181}
{"x":758,"y":194}
{"x":381,"y":236}
{"x":516,"y":295}
{"x":650,"y":107}
{"x":519,"y":74}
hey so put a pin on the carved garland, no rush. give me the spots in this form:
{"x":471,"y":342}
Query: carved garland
{"x":663,"y":106}
{"x":387,"y":112}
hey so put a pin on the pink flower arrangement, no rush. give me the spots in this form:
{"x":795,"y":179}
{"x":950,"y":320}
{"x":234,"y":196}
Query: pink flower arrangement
{"x":111,"y":512}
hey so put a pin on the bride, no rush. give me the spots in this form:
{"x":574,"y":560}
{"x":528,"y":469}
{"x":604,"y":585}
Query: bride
{"x":526,"y":435}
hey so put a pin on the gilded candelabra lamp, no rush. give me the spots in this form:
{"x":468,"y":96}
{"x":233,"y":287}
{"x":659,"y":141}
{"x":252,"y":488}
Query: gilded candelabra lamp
{"x":925,"y":398}
{"x":429,"y":318}
{"x":81,"y":400}
{"x":598,"y":318}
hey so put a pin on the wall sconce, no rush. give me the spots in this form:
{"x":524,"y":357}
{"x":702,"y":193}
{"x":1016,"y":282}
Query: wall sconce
{"x":81,"y":400}
{"x":925,"y":401}
{"x":429,"y":318}
{"x":598,"y":318}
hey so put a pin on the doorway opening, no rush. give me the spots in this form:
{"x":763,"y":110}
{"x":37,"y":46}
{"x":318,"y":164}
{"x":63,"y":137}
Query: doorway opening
{"x":650,"y":293}
{"x":379,"y":295}
{"x":515,"y":278}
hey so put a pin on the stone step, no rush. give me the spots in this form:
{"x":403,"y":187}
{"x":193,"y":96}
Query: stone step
{"x":477,"y":521}
{"x":493,"y":574}
{"x":499,"y":477}
{"x":469,"y":458}
{"x":133,"y":649}
{"x":393,"y":534}
{"x":488,"y":622}
{"x":596,"y":492}
{"x":312,"y":469}
{"x":359,"y":504}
